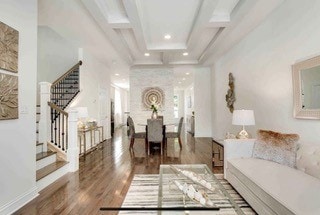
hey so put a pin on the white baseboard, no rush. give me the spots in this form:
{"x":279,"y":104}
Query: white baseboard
{"x":20,"y":201}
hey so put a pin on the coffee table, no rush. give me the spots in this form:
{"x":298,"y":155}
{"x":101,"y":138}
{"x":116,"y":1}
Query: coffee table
{"x":170,"y":196}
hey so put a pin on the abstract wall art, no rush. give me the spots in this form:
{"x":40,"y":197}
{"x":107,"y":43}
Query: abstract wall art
{"x":230,"y":96}
{"x":9,"y":43}
{"x":8,"y":97}
{"x":153,"y":94}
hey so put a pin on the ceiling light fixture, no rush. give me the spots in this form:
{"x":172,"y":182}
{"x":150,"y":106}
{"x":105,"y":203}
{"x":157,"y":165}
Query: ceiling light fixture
{"x":187,"y":73}
{"x":167,"y":36}
{"x":183,"y":79}
{"x":147,"y":54}
{"x":116,"y":74}
{"x":179,"y":82}
{"x":185,"y":53}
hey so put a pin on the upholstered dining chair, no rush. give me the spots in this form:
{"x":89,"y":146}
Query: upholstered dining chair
{"x":175,"y":134}
{"x":134,"y":134}
{"x":155,"y":133}
{"x":160,"y":117}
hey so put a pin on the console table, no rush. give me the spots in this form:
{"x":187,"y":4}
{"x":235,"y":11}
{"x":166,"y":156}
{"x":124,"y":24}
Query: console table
{"x":82,"y":134}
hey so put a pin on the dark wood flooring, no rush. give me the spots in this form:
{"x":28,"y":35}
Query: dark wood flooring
{"x":105,"y":176}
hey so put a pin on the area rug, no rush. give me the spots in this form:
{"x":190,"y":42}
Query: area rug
{"x":143,"y":192}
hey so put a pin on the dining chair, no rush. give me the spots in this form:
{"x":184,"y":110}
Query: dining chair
{"x":134,"y":134}
{"x":160,"y":117}
{"x":175,"y":134}
{"x":155,"y":133}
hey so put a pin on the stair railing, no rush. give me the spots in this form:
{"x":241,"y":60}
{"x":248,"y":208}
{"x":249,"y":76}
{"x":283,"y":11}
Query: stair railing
{"x":65,"y":88}
{"x":59,"y":127}
{"x":63,"y":91}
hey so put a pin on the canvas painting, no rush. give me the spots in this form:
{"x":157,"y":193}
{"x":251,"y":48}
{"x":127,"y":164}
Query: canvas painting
{"x":8,"y":96}
{"x":9,"y":43}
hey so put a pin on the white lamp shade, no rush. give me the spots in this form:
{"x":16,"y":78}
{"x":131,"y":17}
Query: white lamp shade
{"x":243,"y":117}
{"x":82,"y":112}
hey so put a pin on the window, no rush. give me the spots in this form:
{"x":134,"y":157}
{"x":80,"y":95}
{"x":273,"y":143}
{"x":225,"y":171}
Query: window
{"x":176,"y":106}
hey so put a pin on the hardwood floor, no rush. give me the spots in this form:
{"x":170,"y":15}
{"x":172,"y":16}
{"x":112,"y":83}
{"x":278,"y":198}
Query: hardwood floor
{"x":104,"y":177}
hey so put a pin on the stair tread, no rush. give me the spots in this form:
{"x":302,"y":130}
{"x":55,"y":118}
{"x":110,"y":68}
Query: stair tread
{"x":43,"y":172}
{"x":39,"y":144}
{"x":42,"y":155}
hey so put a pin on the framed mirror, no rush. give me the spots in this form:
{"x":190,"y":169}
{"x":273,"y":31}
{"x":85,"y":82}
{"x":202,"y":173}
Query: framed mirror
{"x":306,"y":88}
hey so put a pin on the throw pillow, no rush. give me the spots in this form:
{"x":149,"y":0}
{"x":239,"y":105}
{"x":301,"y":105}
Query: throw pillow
{"x":276,"y":147}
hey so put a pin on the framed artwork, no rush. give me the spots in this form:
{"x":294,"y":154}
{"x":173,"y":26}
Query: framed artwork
{"x":153,"y":95}
{"x":9,"y":44}
{"x":8,"y":97}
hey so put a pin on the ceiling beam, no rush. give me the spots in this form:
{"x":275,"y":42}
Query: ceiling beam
{"x":205,"y":11}
{"x":245,"y":17}
{"x":132,"y":8}
{"x":110,"y":34}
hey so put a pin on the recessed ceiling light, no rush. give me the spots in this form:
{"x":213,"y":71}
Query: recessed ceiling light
{"x":179,"y":82}
{"x":147,"y":54}
{"x":185,"y":53}
{"x":183,"y":79}
{"x":167,"y":36}
{"x":116,"y":74}
{"x":124,"y":79}
{"x":187,"y":73}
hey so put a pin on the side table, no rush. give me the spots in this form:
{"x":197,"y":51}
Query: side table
{"x":217,"y":152}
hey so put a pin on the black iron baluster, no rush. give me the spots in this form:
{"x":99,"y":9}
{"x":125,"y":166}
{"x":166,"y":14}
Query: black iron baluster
{"x":59,"y":130}
{"x":55,"y":127}
{"x":63,"y":132}
{"x":67,"y":122}
{"x":51,"y":125}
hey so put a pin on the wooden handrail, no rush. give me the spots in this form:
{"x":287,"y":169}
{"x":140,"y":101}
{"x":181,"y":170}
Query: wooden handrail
{"x":66,"y":74}
{"x":54,"y":106}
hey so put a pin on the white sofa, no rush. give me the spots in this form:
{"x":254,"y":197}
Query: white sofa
{"x":272,"y":188}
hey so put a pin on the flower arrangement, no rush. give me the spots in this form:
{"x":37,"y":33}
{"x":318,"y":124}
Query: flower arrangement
{"x":154,"y":107}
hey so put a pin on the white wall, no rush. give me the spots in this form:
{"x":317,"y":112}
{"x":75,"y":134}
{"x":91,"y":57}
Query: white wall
{"x":189,"y":94}
{"x":18,"y":137}
{"x":143,"y":78}
{"x":56,"y":55}
{"x":261,"y":65}
{"x":120,"y":117}
{"x":95,"y":91}
{"x":124,"y":104}
{"x":202,"y":102}
{"x":181,"y":106}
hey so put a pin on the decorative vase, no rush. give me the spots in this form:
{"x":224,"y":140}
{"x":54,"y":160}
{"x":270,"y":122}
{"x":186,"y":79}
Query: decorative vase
{"x":154,"y":115}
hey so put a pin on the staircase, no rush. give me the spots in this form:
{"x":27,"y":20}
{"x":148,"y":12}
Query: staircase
{"x":51,"y":157}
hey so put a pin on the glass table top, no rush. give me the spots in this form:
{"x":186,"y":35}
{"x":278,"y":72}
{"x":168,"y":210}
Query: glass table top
{"x":193,"y":187}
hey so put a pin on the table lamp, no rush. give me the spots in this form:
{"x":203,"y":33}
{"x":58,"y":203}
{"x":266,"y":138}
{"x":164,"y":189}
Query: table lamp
{"x":243,"y":117}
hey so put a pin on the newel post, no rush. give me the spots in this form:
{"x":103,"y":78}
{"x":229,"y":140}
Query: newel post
{"x":73,"y":149}
{"x":45,"y":120}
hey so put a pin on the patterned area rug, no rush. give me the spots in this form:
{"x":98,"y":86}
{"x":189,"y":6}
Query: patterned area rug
{"x":143,"y":192}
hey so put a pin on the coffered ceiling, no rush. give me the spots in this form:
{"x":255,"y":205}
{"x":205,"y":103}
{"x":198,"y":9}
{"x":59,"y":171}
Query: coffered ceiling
{"x":200,"y":31}
{"x":138,"y":28}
